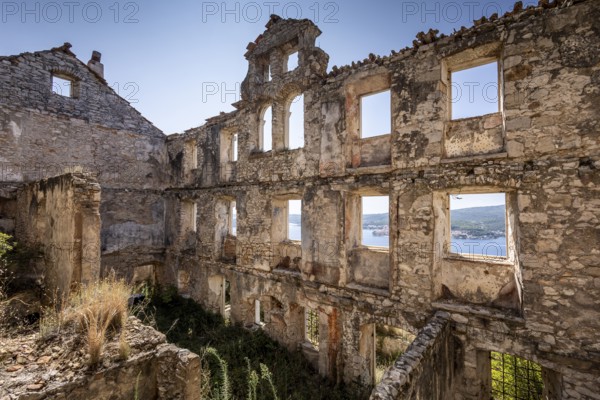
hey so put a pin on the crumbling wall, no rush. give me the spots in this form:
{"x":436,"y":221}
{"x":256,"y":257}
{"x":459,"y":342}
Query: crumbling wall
{"x":60,"y":218}
{"x":540,"y":148}
{"x":425,"y":371}
{"x":167,"y":372}
{"x":478,"y":331}
{"x":94,"y":130}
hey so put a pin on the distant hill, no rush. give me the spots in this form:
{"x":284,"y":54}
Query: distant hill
{"x":479,"y":220}
{"x":376,"y":219}
{"x":369,"y":219}
{"x":474,"y":221}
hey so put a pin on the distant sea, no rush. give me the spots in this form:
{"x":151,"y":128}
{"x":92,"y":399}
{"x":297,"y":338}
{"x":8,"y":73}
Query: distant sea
{"x":491,"y":247}
{"x":486,"y":247}
{"x":368,"y":238}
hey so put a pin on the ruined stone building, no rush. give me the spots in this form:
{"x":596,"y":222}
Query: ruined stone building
{"x":161,"y":208}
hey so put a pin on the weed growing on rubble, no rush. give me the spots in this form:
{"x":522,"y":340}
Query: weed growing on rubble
{"x":95,"y":309}
{"x":98,"y":307}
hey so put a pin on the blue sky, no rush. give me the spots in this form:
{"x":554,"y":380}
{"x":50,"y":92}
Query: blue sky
{"x":458,"y":201}
{"x":181,"y":62}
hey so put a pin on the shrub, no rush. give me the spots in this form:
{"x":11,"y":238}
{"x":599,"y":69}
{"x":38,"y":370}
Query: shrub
{"x":6,"y":245}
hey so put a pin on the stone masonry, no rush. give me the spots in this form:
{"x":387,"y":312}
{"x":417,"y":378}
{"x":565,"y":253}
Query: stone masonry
{"x":94,"y":131}
{"x":541,"y":148}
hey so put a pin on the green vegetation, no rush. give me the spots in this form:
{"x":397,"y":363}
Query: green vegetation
{"x":244,"y":364}
{"x":515,"y":378}
{"x":15,"y":257}
{"x":6,"y":246}
{"x":479,"y":221}
{"x":312,"y":327}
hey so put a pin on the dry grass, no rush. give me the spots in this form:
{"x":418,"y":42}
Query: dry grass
{"x":124,"y":347}
{"x":96,"y":309}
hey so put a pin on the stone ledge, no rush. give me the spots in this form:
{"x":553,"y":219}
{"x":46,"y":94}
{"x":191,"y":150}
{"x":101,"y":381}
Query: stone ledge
{"x":478,"y":157}
{"x":478,"y":311}
{"x":368,"y":289}
{"x":295,"y":274}
{"x":378,"y":169}
{"x":488,"y":260}
{"x":58,"y":369}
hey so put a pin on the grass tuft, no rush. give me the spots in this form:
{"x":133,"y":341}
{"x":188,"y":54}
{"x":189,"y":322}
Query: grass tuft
{"x":99,"y":307}
{"x":96,"y":309}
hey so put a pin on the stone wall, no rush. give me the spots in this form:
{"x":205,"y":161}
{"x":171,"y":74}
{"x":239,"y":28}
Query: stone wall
{"x":154,"y":369}
{"x":425,"y":370}
{"x":60,"y":218}
{"x":541,"y":149}
{"x":45,"y":134}
{"x":167,"y":372}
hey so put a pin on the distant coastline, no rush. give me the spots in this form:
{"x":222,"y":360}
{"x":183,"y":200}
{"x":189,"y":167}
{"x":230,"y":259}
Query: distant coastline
{"x":474,"y":223}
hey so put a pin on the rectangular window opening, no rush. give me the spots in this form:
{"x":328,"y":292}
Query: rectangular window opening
{"x":62,"y":86}
{"x":294,"y":220}
{"x":311,"y":327}
{"x":226,"y":300}
{"x":515,"y":377}
{"x":267,"y":130}
{"x":478,"y":224}
{"x":227,"y":285}
{"x":296,"y":123}
{"x":292,"y":62}
{"x":194,"y":216}
{"x":232,"y":219}
{"x":475,"y":91}
{"x":375,"y":220}
{"x":188,"y":216}
{"x":375,"y":114}
{"x":390,"y":343}
{"x":234,"y":147}
{"x":259,"y":314}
